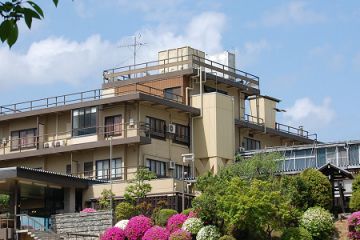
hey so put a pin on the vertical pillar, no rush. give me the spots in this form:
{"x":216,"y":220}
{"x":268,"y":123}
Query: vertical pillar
{"x":69,"y":200}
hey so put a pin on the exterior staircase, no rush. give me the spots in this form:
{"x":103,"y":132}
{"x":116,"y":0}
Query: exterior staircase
{"x":42,"y":235}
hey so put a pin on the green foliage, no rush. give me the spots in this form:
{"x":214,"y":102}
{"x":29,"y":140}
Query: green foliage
{"x":296,"y":233}
{"x":105,"y":199}
{"x":187,"y":211}
{"x":296,"y":190}
{"x":125,"y":211}
{"x":15,"y":10}
{"x":318,"y":222}
{"x":145,"y":208}
{"x":139,"y":187}
{"x":355,"y":201}
{"x":318,"y":187}
{"x":163,"y":215}
{"x":4,"y":202}
{"x":227,"y":237}
{"x":356,"y":183}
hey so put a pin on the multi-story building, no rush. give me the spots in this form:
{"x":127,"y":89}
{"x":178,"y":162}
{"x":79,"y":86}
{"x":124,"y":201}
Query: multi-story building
{"x":57,"y":154}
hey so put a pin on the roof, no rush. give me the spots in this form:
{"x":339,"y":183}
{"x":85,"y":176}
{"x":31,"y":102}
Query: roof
{"x":47,"y":177}
{"x":330,"y":169}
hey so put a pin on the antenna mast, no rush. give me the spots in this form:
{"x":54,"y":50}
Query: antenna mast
{"x":135,"y":45}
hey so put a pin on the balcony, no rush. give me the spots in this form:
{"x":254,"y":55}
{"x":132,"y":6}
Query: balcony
{"x":127,"y":133}
{"x":187,"y":63}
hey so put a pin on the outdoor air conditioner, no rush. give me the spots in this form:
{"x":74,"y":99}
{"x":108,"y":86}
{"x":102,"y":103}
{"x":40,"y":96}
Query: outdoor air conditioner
{"x":59,"y":143}
{"x":171,"y":165}
{"x":48,"y":144}
{"x":172,"y":128}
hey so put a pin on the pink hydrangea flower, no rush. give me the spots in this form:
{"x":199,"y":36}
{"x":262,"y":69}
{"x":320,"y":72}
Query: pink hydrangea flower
{"x":156,"y":233}
{"x":180,"y":235}
{"x":175,"y":222}
{"x":137,"y":227}
{"x":88,"y":210}
{"x":354,"y":226}
{"x":113,"y":233}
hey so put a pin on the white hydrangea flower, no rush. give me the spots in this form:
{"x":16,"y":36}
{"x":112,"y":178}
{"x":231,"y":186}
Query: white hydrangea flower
{"x":122,"y":224}
{"x":193,"y":225}
{"x":208,"y":233}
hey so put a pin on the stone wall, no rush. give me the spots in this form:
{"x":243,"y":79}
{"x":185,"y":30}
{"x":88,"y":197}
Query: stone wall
{"x":81,"y":223}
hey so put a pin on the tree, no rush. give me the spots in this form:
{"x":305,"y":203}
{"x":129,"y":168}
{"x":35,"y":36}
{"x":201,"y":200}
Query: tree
{"x":4,"y":202}
{"x":12,"y":12}
{"x":106,"y":198}
{"x":139,"y":187}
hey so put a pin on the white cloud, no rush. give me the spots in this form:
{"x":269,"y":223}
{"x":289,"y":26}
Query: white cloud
{"x":296,"y":12}
{"x":309,"y":114}
{"x":61,"y":60}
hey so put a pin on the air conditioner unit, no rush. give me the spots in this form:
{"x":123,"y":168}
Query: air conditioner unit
{"x":171,"y":165}
{"x":172,"y":128}
{"x":48,"y":145}
{"x":59,"y":143}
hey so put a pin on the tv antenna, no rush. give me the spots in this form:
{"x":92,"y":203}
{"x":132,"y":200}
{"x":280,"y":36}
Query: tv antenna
{"x":135,"y":45}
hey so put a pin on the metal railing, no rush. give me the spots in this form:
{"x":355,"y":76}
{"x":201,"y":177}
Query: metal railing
{"x":61,"y":139}
{"x":295,"y":131}
{"x":180,"y":63}
{"x":31,"y":225}
{"x":252,"y":119}
{"x":85,"y":96}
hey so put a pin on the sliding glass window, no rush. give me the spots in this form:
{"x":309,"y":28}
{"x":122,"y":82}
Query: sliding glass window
{"x":84,"y":121}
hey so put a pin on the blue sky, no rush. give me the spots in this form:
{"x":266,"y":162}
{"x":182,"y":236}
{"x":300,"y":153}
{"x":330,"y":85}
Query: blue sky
{"x":307,"y":53}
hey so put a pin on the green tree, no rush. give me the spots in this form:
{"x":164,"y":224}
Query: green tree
{"x":107,"y":196}
{"x":12,"y":12}
{"x":356,"y":183}
{"x":4,"y":202}
{"x":125,"y":210}
{"x":139,"y":187}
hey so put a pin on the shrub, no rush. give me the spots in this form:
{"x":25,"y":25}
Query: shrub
{"x":175,"y":222}
{"x":296,"y":233}
{"x":356,"y":183}
{"x":163,"y":216}
{"x":88,"y":210}
{"x":113,"y":233}
{"x":125,"y":210}
{"x":318,"y":222}
{"x":156,"y":233}
{"x":208,"y":233}
{"x":122,"y":224}
{"x":355,"y":201}
{"x":180,"y":235}
{"x":187,"y":211}
{"x":137,"y":227}
{"x":192,"y":225}
{"x":318,"y":188}
{"x":354,"y":226}
{"x":227,"y":237}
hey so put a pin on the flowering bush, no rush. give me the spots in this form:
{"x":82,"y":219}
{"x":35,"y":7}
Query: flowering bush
{"x":137,"y":227}
{"x":156,"y":233}
{"x":208,"y":233}
{"x":193,"y":225}
{"x":180,"y":235}
{"x":192,"y":214}
{"x":122,"y":224}
{"x":354,"y":226}
{"x":318,"y":222}
{"x":175,"y":222}
{"x":88,"y":210}
{"x":113,"y":233}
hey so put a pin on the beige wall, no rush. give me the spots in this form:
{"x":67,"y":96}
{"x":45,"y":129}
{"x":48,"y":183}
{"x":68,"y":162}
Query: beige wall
{"x":265,"y":110}
{"x":214,"y":141}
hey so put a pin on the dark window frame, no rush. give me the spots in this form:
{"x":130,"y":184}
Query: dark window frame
{"x":86,"y":125}
{"x":157,"y":127}
{"x":251,"y":144}
{"x":178,"y":171}
{"x":68,"y":169}
{"x":88,"y":173}
{"x":169,"y":93}
{"x":155,"y":165}
{"x":110,"y":129}
{"x":106,"y":176}
{"x":20,"y":144}
{"x":185,"y":139}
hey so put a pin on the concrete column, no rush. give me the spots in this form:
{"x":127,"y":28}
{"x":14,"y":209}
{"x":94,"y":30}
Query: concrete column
{"x":69,"y":200}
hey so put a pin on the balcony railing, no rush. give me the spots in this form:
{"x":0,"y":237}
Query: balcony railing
{"x":85,"y":96}
{"x":252,"y":119}
{"x":295,"y":131}
{"x":180,"y":63}
{"x":61,"y":139}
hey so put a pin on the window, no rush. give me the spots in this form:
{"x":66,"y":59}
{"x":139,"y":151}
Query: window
{"x":68,"y":169}
{"x":178,"y":171}
{"x":113,"y":126}
{"x":103,"y":169}
{"x":157,"y":167}
{"x":84,"y":121}
{"x":157,"y":127}
{"x":173,"y":93}
{"x":251,"y":144}
{"x":182,"y":134}
{"x":208,"y":89}
{"x":23,"y":139}
{"x":88,"y":169}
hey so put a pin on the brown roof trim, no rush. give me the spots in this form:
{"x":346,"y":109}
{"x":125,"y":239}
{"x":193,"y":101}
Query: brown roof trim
{"x":74,"y":147}
{"x":122,"y":98}
{"x":273,"y":131}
